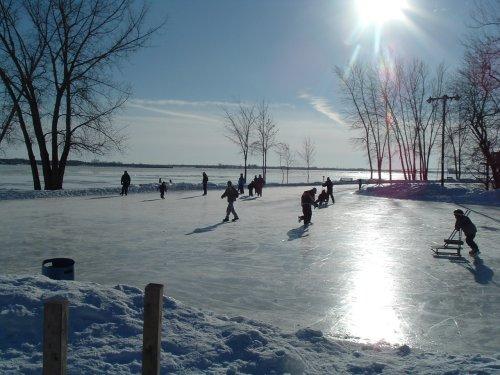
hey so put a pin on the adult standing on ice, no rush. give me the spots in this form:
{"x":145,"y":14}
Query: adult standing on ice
{"x":241,"y":184}
{"x":465,"y":224}
{"x":205,"y":183}
{"x":329,"y":190}
{"x":231,"y":193}
{"x":125,"y":183}
{"x":163,"y":189}
{"x":307,"y":200}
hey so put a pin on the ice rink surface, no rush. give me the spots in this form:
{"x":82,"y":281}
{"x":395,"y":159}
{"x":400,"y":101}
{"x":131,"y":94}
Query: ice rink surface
{"x":363,"y":270}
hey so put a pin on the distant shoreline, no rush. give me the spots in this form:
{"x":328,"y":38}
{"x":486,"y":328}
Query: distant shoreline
{"x":17,"y":161}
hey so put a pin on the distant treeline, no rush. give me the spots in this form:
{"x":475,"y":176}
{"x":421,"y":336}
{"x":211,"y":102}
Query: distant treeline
{"x":200,"y":166}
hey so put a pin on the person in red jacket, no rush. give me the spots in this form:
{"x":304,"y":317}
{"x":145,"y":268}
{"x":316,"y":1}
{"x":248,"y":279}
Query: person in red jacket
{"x":231,"y":194}
{"x":307,"y":200}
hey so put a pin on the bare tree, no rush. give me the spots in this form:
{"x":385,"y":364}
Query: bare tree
{"x":351,"y":84}
{"x":286,"y":158}
{"x":479,"y":87}
{"x":307,"y":154}
{"x":59,"y":60}
{"x":266,"y":132}
{"x":239,"y":126}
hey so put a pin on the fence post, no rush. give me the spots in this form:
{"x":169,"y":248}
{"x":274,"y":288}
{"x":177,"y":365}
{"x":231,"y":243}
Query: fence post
{"x":55,"y":336}
{"x":151,"y":339}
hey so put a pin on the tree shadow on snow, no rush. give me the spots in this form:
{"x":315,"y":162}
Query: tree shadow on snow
{"x":151,"y":200}
{"x":482,"y":273}
{"x":205,"y":229}
{"x":296,"y":233}
{"x":194,"y":196}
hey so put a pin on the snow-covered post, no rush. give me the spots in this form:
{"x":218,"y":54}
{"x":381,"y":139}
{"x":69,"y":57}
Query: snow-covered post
{"x":55,"y":336}
{"x":151,"y":339}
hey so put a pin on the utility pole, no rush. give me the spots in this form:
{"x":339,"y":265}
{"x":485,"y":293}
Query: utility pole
{"x":444,"y":98}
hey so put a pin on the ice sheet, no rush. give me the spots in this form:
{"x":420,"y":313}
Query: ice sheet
{"x":363,"y":270}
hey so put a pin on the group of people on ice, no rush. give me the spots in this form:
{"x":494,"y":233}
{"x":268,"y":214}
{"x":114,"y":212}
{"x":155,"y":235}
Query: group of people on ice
{"x":308,"y":200}
{"x":231,"y":193}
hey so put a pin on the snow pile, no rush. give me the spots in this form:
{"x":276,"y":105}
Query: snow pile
{"x":105,"y":337}
{"x":435,"y":192}
{"x":10,"y":194}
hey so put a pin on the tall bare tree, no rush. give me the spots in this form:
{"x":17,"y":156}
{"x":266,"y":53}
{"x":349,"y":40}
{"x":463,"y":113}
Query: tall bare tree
{"x":478,"y":81}
{"x":239,"y":126}
{"x":286,"y":158}
{"x":351,"y":84}
{"x":266,"y":132}
{"x":307,"y":154}
{"x":58,"y":57}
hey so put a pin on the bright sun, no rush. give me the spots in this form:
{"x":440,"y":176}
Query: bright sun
{"x":377,"y":12}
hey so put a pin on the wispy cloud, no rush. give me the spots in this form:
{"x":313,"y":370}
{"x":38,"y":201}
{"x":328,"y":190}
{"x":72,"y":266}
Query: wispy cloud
{"x":198,"y":103}
{"x":322,"y":106}
{"x":192,"y":116}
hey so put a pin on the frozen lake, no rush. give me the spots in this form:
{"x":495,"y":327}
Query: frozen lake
{"x":362,"y":271}
{"x":18,"y":177}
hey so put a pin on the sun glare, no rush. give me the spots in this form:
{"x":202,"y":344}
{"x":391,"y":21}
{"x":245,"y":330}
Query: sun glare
{"x":378,"y":12}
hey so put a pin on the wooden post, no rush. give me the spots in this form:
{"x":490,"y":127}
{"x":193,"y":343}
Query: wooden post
{"x":151,"y":339}
{"x":55,"y":336}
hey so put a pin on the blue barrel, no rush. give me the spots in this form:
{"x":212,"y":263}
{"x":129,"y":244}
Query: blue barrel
{"x":59,"y":268}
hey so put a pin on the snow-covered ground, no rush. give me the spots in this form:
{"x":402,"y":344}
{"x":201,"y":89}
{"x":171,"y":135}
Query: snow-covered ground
{"x":105,"y":337}
{"x":362,"y":272}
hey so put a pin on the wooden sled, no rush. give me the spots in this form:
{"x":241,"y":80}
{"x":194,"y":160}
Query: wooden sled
{"x":450,"y":245}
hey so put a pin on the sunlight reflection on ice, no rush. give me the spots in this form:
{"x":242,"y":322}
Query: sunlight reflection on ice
{"x":369,"y":310}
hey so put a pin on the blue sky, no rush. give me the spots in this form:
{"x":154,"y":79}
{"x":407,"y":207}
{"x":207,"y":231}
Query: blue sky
{"x":219,"y":52}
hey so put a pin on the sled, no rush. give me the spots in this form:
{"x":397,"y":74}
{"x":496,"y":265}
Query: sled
{"x":451,"y":246}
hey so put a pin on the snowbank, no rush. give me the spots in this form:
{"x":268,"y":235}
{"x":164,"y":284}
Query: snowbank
{"x":435,"y":192}
{"x":10,"y":194}
{"x":105,"y":337}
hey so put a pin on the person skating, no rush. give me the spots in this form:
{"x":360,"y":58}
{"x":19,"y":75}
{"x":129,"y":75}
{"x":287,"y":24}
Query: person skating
{"x":307,"y":200}
{"x":329,"y":189}
{"x":322,"y":198}
{"x":231,"y":194}
{"x":163,"y":189}
{"x":465,"y":224}
{"x":125,"y":181}
{"x":205,"y":183}
{"x":241,"y":184}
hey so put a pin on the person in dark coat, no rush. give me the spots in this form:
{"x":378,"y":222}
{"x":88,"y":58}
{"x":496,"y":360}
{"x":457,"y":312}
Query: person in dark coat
{"x":465,"y":224}
{"x":163,"y":189}
{"x":251,"y":187}
{"x":205,"y":183}
{"x":322,"y":198}
{"x":125,"y":183}
{"x":307,"y":200}
{"x":329,"y":189}
{"x":259,"y":185}
{"x":231,"y":194}
{"x":241,"y":184}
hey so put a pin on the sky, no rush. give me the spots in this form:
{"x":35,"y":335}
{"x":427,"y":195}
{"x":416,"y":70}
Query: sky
{"x":214,"y":54}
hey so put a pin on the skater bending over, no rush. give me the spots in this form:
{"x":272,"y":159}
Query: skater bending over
{"x":322,"y":198}
{"x":464,"y":224}
{"x":307,"y":200}
{"x":231,"y":193}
